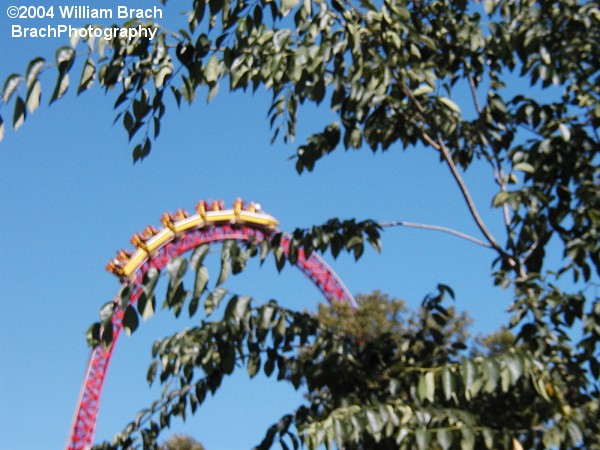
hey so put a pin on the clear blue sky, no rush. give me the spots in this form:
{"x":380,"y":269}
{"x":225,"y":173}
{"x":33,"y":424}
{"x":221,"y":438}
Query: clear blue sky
{"x":70,"y":198}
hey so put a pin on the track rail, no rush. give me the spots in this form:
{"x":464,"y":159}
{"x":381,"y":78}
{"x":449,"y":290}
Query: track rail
{"x":155,"y":249}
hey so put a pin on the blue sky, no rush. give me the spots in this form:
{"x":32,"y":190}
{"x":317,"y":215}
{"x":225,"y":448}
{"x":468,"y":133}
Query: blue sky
{"x":70,"y":198}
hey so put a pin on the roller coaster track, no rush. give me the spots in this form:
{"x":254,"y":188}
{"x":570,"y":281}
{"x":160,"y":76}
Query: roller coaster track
{"x":155,"y":247}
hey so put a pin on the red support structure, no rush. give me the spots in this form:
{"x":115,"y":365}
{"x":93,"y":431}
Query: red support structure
{"x":315,"y":268}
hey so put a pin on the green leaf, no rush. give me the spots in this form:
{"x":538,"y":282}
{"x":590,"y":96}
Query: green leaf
{"x":515,"y":366}
{"x":10,"y":85}
{"x":505,"y":380}
{"x":88,"y":75}
{"x":198,"y":255}
{"x":146,"y":306}
{"x":500,"y":198}
{"x":524,"y":167}
{"x":280,"y":327}
{"x":253,"y":366}
{"x":92,"y":335}
{"x":354,"y":240}
{"x":488,"y":437}
{"x":574,"y":432}
{"x":200,"y":281}
{"x":422,"y":90}
{"x":130,"y":320}
{"x":193,"y":306}
{"x":565,"y":132}
{"x":449,"y":104}
{"x":176,"y":295}
{"x":540,"y":387}
{"x":147,"y":302}
{"x":211,"y":72}
{"x":373,"y":421}
{"x":227,"y":353}
{"x":448,"y":383}
{"x":176,"y":268}
{"x":237,"y":308}
{"x":468,"y":372}
{"x":266,"y":314}
{"x":489,"y":6}
{"x":106,"y":312}
{"x":33,"y":70}
{"x":426,"y":388}
{"x":213,"y":299}
{"x":287,"y":6}
{"x":64,"y":58}
{"x":64,"y":62}
{"x":213,"y":90}
{"x":125,"y":294}
{"x":61,"y":87}
{"x":19,"y":113}
{"x":163,"y":73}
{"x":225,"y":265}
{"x":444,"y":438}
{"x":107,"y":335}
{"x":422,"y":438}
{"x":467,"y":441}
{"x":492,"y":372}
{"x":149,"y":281}
{"x":33,"y":96}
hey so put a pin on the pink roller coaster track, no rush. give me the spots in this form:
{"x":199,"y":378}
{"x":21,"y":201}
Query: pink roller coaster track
{"x":315,"y":268}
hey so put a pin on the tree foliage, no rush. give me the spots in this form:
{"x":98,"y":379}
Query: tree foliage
{"x":389,"y":72}
{"x":378,"y":377}
{"x":181,"y":442}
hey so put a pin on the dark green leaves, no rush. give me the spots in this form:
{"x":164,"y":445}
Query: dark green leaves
{"x":33,"y":70}
{"x":65,"y":57}
{"x":237,"y":308}
{"x":213,"y":299}
{"x":130,"y":320}
{"x":147,"y":303}
{"x":176,"y":294}
{"x":430,"y":407}
{"x":336,"y":236}
{"x":88,"y":76}
{"x":34,"y":96}
{"x":426,"y":387}
{"x":10,"y":85}
{"x":19,"y":114}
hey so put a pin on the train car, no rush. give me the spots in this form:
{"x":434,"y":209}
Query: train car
{"x":207,"y":214}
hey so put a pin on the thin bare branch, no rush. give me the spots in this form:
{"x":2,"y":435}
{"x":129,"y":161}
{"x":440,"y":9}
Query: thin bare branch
{"x":529,"y":252}
{"x":497,"y":167}
{"x":467,"y":196}
{"x":474,"y":92}
{"x":436,"y":228}
{"x":441,"y":147}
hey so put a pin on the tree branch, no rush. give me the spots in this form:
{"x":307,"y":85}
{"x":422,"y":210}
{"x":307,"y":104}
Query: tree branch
{"x":474,"y":92}
{"x":467,"y":196}
{"x":436,"y":228}
{"x":439,"y":145}
{"x":496,"y":165}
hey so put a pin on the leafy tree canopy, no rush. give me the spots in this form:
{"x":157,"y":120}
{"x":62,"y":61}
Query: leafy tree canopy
{"x":181,"y":442}
{"x":389,"y":71}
